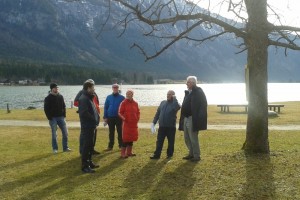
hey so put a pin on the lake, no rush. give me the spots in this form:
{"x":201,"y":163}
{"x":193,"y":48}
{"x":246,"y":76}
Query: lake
{"x":146,"y":95}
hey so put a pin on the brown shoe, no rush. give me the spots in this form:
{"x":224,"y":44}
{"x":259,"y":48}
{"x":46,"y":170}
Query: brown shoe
{"x":188,"y":157}
{"x":95,"y":152}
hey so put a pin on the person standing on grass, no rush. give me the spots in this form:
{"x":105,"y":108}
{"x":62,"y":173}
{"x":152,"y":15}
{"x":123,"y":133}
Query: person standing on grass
{"x":96,"y":102}
{"x":193,"y":118}
{"x":89,"y":120}
{"x":166,"y":115}
{"x":129,"y":112}
{"x":111,"y":117}
{"x":55,"y":110}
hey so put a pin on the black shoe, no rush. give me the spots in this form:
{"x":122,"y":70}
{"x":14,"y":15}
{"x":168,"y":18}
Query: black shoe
{"x":188,"y":157}
{"x":87,"y":170}
{"x":67,"y":150}
{"x":195,"y":159}
{"x":93,"y":165}
{"x":169,"y":157}
{"x":154,"y":157}
{"x":95,"y":152}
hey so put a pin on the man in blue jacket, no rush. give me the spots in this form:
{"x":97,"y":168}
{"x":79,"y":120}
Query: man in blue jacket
{"x":166,"y":115}
{"x":111,"y":117}
{"x":89,"y":120}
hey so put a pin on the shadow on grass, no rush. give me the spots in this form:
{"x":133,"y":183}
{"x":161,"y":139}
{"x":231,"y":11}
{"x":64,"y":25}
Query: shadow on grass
{"x":31,"y":160}
{"x":176,"y":184}
{"x":141,"y":181}
{"x":154,"y":182}
{"x":259,"y":178}
{"x":62,"y":178}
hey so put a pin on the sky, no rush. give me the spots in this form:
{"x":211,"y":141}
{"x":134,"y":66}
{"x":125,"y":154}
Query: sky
{"x":288,"y":10}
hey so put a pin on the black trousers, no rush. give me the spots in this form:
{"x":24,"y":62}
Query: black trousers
{"x":81,"y":141}
{"x":113,"y":123}
{"x":87,"y":150}
{"x":164,"y":132}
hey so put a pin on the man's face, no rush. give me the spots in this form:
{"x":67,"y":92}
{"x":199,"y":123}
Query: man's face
{"x":115,"y":89}
{"x":91,"y":90}
{"x":54,"y":90}
{"x":169,"y":96}
{"x":189,"y":84}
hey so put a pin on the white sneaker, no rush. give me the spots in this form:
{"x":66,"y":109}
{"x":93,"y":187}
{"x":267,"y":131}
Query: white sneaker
{"x":55,"y":151}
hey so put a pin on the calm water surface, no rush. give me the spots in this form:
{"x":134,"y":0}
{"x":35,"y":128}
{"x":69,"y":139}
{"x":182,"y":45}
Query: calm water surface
{"x":146,"y":95}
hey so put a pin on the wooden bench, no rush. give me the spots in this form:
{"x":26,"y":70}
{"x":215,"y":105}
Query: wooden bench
{"x":225,"y":107}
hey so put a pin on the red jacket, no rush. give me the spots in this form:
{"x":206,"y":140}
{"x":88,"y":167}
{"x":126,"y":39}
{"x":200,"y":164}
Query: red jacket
{"x":95,"y":100}
{"x":129,"y":112}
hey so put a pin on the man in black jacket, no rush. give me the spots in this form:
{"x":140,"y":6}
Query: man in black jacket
{"x":193,"y":117}
{"x":89,"y":120}
{"x":55,"y":110}
{"x":96,"y":102}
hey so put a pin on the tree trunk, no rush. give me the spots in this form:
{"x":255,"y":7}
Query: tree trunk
{"x":257,"y":61}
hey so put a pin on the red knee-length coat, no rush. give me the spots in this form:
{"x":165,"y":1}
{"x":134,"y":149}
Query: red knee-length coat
{"x":129,"y":112}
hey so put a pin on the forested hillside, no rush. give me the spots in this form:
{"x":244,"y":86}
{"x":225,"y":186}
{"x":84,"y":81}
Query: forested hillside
{"x":66,"y":74}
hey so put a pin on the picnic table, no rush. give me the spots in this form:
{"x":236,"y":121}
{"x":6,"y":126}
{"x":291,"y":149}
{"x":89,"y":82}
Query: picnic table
{"x":225,"y":107}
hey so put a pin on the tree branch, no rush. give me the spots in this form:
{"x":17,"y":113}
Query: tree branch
{"x":283,"y":28}
{"x":285,"y":45}
{"x":167,"y":12}
{"x":179,"y":17}
{"x":180,"y":36}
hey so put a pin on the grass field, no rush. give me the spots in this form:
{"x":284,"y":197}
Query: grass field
{"x":290,"y":114}
{"x":29,"y":170}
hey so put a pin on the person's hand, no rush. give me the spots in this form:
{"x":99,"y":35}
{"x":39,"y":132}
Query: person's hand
{"x":153,"y":129}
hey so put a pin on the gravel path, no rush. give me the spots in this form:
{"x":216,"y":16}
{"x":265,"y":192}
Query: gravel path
{"x":141,"y":125}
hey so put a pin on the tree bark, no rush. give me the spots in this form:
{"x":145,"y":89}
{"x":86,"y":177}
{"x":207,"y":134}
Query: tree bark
{"x":257,"y":60}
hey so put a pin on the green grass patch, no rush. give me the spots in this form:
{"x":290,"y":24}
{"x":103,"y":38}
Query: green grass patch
{"x":29,"y":170}
{"x":289,"y":115}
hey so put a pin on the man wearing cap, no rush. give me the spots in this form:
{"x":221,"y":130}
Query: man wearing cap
{"x":111,"y":107}
{"x":55,"y":110}
{"x":96,"y":102}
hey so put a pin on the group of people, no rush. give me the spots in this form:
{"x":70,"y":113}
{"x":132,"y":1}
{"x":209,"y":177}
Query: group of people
{"x":122,"y":114}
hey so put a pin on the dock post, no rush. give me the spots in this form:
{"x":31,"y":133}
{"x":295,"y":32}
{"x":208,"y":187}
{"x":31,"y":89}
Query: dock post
{"x":7,"y":107}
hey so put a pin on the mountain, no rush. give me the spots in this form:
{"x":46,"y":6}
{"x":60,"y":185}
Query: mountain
{"x":61,"y":32}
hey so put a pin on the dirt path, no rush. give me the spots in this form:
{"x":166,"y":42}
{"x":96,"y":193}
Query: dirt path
{"x":141,"y":125}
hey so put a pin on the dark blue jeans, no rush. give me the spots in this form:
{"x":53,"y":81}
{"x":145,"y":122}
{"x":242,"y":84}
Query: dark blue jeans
{"x":61,"y":123}
{"x":164,"y":132}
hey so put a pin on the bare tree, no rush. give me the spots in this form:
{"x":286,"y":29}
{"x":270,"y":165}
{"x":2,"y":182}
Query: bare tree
{"x":255,"y":32}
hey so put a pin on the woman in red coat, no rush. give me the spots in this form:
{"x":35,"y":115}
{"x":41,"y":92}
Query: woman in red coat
{"x":129,"y":112}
